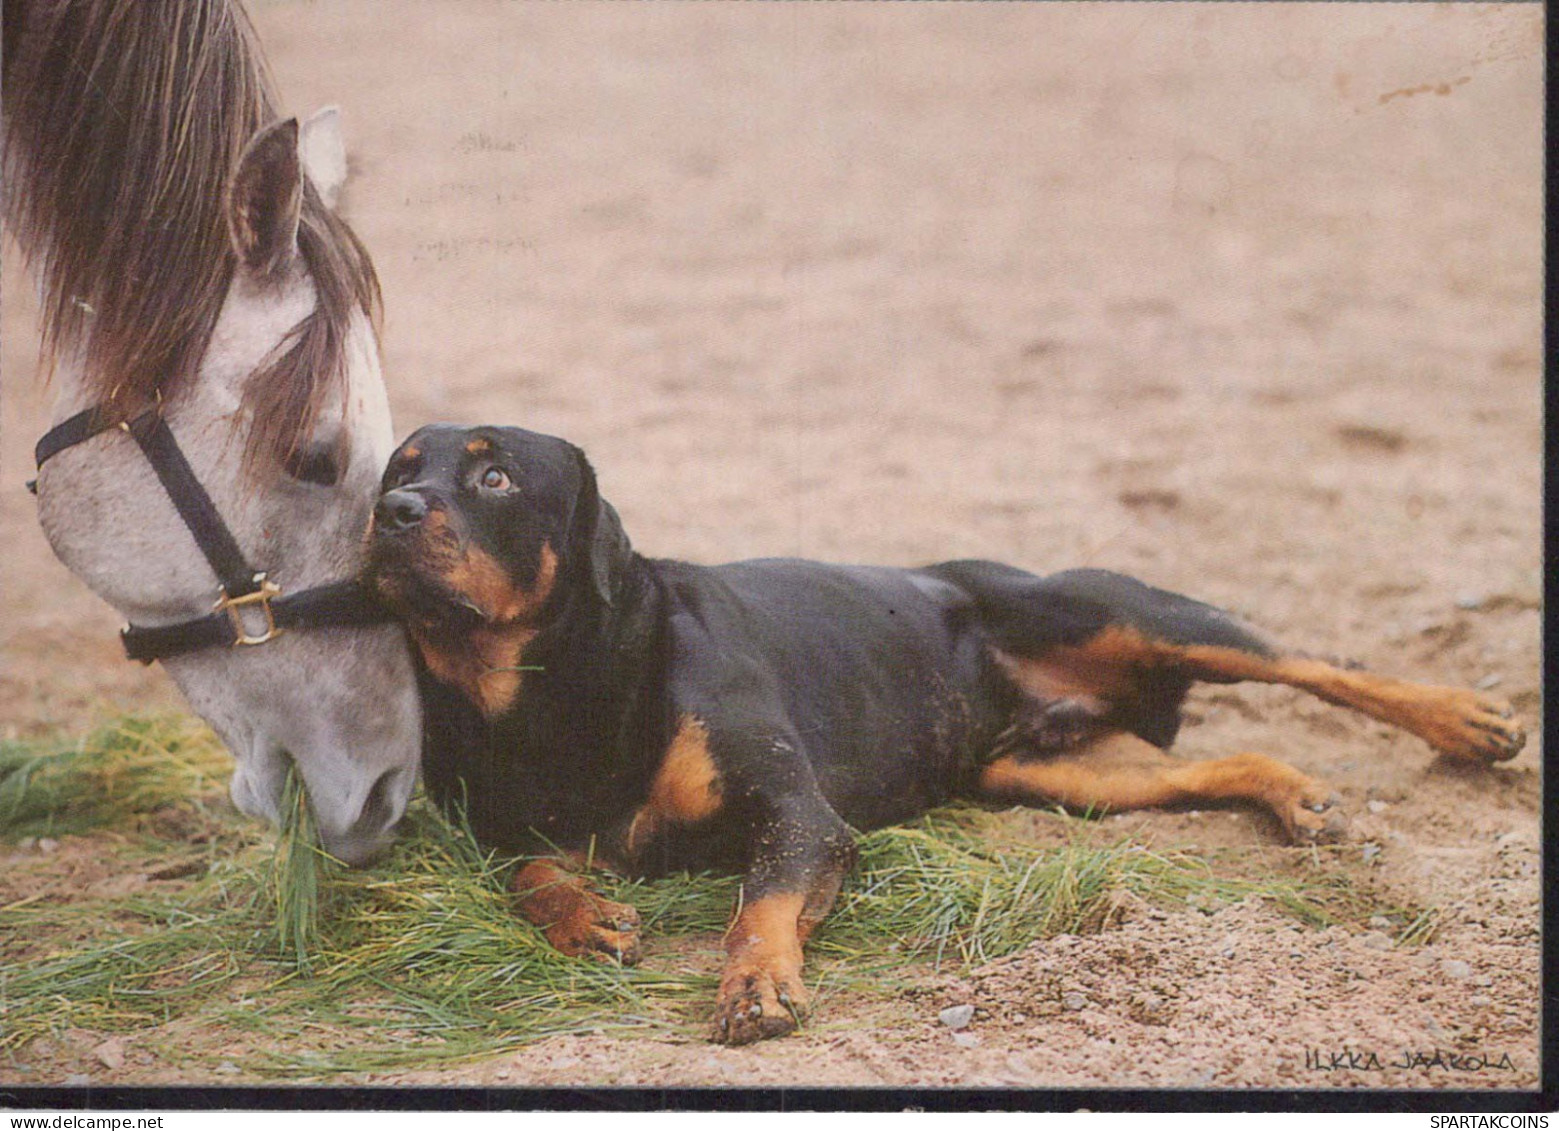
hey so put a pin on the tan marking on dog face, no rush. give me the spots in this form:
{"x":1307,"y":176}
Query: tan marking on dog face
{"x":487,"y":665}
{"x":478,"y":446}
{"x":435,"y":548}
{"x":482,"y":580}
{"x":437,"y":537}
{"x":487,"y":662}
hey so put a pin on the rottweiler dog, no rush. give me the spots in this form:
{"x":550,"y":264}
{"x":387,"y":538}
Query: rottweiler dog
{"x":593,"y":706}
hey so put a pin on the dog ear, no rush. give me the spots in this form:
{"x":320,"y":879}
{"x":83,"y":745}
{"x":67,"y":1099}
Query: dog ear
{"x":600,"y":542}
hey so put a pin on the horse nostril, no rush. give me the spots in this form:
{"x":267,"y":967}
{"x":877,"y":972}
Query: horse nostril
{"x":400,"y":510}
{"x":379,"y":808}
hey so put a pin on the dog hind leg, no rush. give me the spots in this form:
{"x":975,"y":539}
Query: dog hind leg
{"x":1118,"y":771}
{"x":1131,"y":651}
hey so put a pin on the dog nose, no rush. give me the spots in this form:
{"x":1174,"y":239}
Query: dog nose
{"x":400,"y":510}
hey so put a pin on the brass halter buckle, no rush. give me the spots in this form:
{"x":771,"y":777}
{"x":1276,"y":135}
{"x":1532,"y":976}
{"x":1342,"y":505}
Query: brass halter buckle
{"x":232,"y":606}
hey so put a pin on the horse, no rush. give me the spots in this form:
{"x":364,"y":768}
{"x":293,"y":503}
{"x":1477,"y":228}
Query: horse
{"x":211,"y":325}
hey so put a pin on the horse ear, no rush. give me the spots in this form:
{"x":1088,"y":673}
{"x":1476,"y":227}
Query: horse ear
{"x":264,"y":201}
{"x":599,"y":534}
{"x":324,"y":153}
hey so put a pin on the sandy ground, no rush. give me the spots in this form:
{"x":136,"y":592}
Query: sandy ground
{"x":1243,"y":300}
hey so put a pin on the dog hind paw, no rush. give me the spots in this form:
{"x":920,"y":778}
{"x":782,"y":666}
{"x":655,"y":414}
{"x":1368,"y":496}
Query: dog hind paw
{"x":1314,"y":815}
{"x":1474,"y":726}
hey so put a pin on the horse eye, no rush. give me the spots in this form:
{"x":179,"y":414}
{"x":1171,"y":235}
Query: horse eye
{"x":495,"y":479}
{"x":315,"y":463}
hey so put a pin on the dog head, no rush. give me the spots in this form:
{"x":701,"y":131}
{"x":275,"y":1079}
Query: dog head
{"x":491,"y":527}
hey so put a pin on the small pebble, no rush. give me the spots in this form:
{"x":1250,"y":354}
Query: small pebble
{"x":1376,"y":940}
{"x":1493,"y":679}
{"x":1150,"y":1009}
{"x":47,"y":844}
{"x":1074,"y":1001}
{"x":957,"y":1016}
{"x":227,"y":1068}
{"x":1480,"y":1000}
{"x":77,"y":1080}
{"x":1456,"y":969}
{"x":1376,"y":806}
{"x":1380,"y":922}
{"x":966,"y":1040}
{"x":1469,"y":601}
{"x":1370,"y":851}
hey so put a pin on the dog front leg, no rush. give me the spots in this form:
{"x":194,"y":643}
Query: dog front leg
{"x":799,"y":862}
{"x":554,"y":894}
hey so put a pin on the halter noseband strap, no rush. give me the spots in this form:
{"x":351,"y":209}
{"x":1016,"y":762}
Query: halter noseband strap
{"x":339,"y":604}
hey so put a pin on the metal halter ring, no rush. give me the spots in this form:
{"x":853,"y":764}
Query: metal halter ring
{"x":262,"y":597}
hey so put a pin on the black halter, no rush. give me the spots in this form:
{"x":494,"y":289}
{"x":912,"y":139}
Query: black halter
{"x":339,"y":604}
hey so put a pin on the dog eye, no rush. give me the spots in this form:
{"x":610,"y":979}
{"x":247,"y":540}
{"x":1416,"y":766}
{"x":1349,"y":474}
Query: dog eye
{"x":495,"y":479}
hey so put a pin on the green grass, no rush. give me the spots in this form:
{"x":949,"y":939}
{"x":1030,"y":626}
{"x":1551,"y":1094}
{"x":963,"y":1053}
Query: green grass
{"x":300,"y":869}
{"x":118,"y":773}
{"x":315,"y":970}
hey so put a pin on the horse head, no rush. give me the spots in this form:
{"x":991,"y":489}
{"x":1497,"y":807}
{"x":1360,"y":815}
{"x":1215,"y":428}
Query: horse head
{"x":291,"y":457}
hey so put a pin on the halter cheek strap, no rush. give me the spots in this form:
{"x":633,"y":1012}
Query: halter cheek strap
{"x":339,"y":604}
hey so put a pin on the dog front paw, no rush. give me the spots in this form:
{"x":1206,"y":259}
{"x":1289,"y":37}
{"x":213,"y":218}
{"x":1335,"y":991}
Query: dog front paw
{"x":599,"y":929}
{"x":756,"y":1004}
{"x":575,"y":919}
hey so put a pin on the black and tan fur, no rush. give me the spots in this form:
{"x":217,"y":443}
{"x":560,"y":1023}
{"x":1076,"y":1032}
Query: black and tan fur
{"x":654,"y":715}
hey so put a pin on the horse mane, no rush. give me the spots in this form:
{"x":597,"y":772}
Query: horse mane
{"x":124,"y":120}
